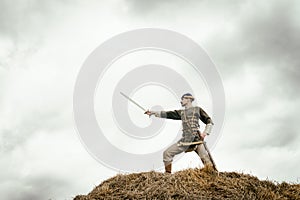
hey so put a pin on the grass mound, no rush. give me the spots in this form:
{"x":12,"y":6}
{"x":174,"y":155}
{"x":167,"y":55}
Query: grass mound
{"x":202,"y":183}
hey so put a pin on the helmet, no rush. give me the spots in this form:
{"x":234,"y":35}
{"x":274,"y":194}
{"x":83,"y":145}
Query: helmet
{"x":188,"y":96}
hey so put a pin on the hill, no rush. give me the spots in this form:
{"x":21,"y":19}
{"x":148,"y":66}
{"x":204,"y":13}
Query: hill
{"x":202,"y":183}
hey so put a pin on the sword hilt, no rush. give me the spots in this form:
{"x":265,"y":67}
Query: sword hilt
{"x":147,"y":113}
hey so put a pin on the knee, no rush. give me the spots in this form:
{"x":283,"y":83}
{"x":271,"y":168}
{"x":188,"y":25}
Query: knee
{"x":165,"y":154}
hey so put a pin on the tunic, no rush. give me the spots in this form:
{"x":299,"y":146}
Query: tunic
{"x":190,"y":121}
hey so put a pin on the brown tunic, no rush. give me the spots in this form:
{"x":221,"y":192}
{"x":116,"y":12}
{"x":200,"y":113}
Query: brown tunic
{"x":190,"y":121}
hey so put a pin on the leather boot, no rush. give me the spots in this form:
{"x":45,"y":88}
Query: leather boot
{"x":168,"y":168}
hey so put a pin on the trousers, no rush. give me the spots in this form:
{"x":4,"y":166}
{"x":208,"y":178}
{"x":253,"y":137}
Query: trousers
{"x":174,"y":149}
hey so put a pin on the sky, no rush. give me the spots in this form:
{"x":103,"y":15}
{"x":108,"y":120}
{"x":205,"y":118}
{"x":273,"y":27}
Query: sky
{"x":254,"y":45}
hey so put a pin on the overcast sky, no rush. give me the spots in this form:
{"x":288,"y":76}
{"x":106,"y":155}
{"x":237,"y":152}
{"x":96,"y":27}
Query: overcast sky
{"x":254,"y":44}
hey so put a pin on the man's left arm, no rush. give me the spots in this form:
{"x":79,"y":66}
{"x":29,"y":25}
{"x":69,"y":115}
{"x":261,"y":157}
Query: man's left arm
{"x":205,"y":118}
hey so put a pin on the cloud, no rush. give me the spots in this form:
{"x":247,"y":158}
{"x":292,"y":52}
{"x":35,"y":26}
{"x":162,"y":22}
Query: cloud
{"x":39,"y":187}
{"x":19,"y":17}
{"x":40,"y":62}
{"x":49,"y":166}
{"x":257,"y":54}
{"x":263,"y":35}
{"x":31,"y":103}
{"x":25,"y":25}
{"x":269,"y":31}
{"x":240,"y":35}
{"x":177,"y":7}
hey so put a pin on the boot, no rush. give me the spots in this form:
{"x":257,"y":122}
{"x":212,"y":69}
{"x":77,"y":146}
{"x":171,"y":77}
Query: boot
{"x":168,"y":168}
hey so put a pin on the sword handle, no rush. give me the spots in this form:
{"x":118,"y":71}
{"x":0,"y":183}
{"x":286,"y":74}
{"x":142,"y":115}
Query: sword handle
{"x":148,"y":112}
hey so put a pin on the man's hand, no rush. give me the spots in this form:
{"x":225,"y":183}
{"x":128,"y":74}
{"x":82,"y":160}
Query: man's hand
{"x":203,"y":135}
{"x":148,"y":112}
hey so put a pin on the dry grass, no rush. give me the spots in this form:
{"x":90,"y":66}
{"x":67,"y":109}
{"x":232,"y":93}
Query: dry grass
{"x":191,"y":184}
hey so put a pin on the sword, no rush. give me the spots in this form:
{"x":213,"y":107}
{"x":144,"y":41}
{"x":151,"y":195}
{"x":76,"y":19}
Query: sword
{"x":131,"y":100}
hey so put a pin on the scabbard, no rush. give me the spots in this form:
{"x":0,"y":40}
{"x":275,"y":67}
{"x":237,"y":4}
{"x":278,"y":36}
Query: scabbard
{"x":210,"y":157}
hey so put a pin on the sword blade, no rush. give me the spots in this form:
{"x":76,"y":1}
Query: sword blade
{"x":138,"y":105}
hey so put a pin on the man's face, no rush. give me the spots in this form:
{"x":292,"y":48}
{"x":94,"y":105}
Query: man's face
{"x":184,"y":101}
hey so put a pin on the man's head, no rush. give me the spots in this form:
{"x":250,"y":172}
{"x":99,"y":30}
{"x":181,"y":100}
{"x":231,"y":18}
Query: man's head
{"x":186,"y":99}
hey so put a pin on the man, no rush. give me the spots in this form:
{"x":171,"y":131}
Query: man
{"x":190,"y":116}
